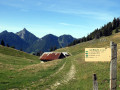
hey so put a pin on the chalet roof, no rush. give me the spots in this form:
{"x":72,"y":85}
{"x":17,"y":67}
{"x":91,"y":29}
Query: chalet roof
{"x":51,"y":56}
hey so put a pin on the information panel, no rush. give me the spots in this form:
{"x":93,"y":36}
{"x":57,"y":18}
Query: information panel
{"x":97,"y":54}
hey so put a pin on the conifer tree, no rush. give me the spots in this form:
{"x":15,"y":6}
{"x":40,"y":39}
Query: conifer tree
{"x":51,"y":49}
{"x":55,"y":48}
{"x":116,"y":30}
{"x":8,"y":45}
{"x":2,"y":43}
{"x":114,"y":23}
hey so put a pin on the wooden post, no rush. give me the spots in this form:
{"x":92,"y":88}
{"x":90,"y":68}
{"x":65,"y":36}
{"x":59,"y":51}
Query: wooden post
{"x":113,"y":66}
{"x":95,"y":84}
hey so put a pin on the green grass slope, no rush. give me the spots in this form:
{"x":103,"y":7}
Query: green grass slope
{"x":19,"y":70}
{"x":8,"y":53}
{"x":84,"y":70}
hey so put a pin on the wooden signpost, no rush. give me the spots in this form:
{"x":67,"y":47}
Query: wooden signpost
{"x":113,"y":66}
{"x":104,"y":54}
{"x":95,"y":84}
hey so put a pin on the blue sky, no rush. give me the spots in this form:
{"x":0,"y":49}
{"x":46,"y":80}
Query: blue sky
{"x":75,"y":17}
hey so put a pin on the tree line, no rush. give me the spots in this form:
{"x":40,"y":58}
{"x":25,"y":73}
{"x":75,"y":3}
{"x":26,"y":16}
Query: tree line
{"x":3,"y":44}
{"x":105,"y":30}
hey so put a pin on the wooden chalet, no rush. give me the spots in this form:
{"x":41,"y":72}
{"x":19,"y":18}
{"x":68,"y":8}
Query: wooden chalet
{"x":48,"y":56}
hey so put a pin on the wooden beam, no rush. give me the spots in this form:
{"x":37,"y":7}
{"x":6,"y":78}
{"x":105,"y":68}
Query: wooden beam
{"x":113,"y":66}
{"x":95,"y":84}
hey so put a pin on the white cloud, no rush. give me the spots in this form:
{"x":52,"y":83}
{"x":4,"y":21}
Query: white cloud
{"x":67,"y":24}
{"x":90,"y":14}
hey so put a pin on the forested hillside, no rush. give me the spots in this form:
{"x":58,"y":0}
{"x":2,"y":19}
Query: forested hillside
{"x":106,"y":30}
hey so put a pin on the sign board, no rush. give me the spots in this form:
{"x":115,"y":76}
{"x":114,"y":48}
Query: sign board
{"x":97,"y":54}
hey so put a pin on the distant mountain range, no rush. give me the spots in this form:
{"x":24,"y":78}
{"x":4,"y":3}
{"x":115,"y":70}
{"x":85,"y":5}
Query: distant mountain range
{"x":28,"y":42}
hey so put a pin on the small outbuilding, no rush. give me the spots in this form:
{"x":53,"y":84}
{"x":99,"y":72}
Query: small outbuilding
{"x":66,"y":54}
{"x":48,"y":56}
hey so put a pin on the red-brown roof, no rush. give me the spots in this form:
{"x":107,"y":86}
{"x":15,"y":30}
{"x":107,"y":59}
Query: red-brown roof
{"x":50,"y":56}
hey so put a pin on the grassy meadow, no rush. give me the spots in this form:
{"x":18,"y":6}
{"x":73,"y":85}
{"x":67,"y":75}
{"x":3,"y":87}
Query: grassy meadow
{"x":85,"y":70}
{"x":19,"y":70}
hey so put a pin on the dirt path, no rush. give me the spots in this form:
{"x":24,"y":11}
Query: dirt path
{"x":69,"y":76}
{"x":66,"y":78}
{"x":58,"y":70}
{"x":34,"y":84}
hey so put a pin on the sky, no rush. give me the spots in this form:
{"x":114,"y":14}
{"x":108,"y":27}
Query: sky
{"x":75,"y":17}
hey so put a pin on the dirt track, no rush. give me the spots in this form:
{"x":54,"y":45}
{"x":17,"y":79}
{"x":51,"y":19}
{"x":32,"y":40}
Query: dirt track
{"x":69,"y":76}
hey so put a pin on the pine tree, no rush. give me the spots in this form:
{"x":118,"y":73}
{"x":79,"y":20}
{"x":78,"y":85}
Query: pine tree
{"x":97,"y":34}
{"x":2,"y":43}
{"x":21,"y":49}
{"x":114,"y":23}
{"x":55,"y":48}
{"x":51,"y":49}
{"x":7,"y":45}
{"x":117,"y":22}
{"x":84,"y":39}
{"x":38,"y":54}
{"x":33,"y":54}
{"x":116,"y":30}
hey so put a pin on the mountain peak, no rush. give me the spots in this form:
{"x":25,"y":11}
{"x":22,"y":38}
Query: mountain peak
{"x":27,"y":36}
{"x":22,"y":32}
{"x":65,"y":39}
{"x":5,"y":31}
{"x":24,"y":29}
{"x":65,"y":35}
{"x":49,"y":36}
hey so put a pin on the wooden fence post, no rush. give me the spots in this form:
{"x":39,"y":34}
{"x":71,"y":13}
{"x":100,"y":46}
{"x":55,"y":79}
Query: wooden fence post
{"x":113,"y":66}
{"x":95,"y":84}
